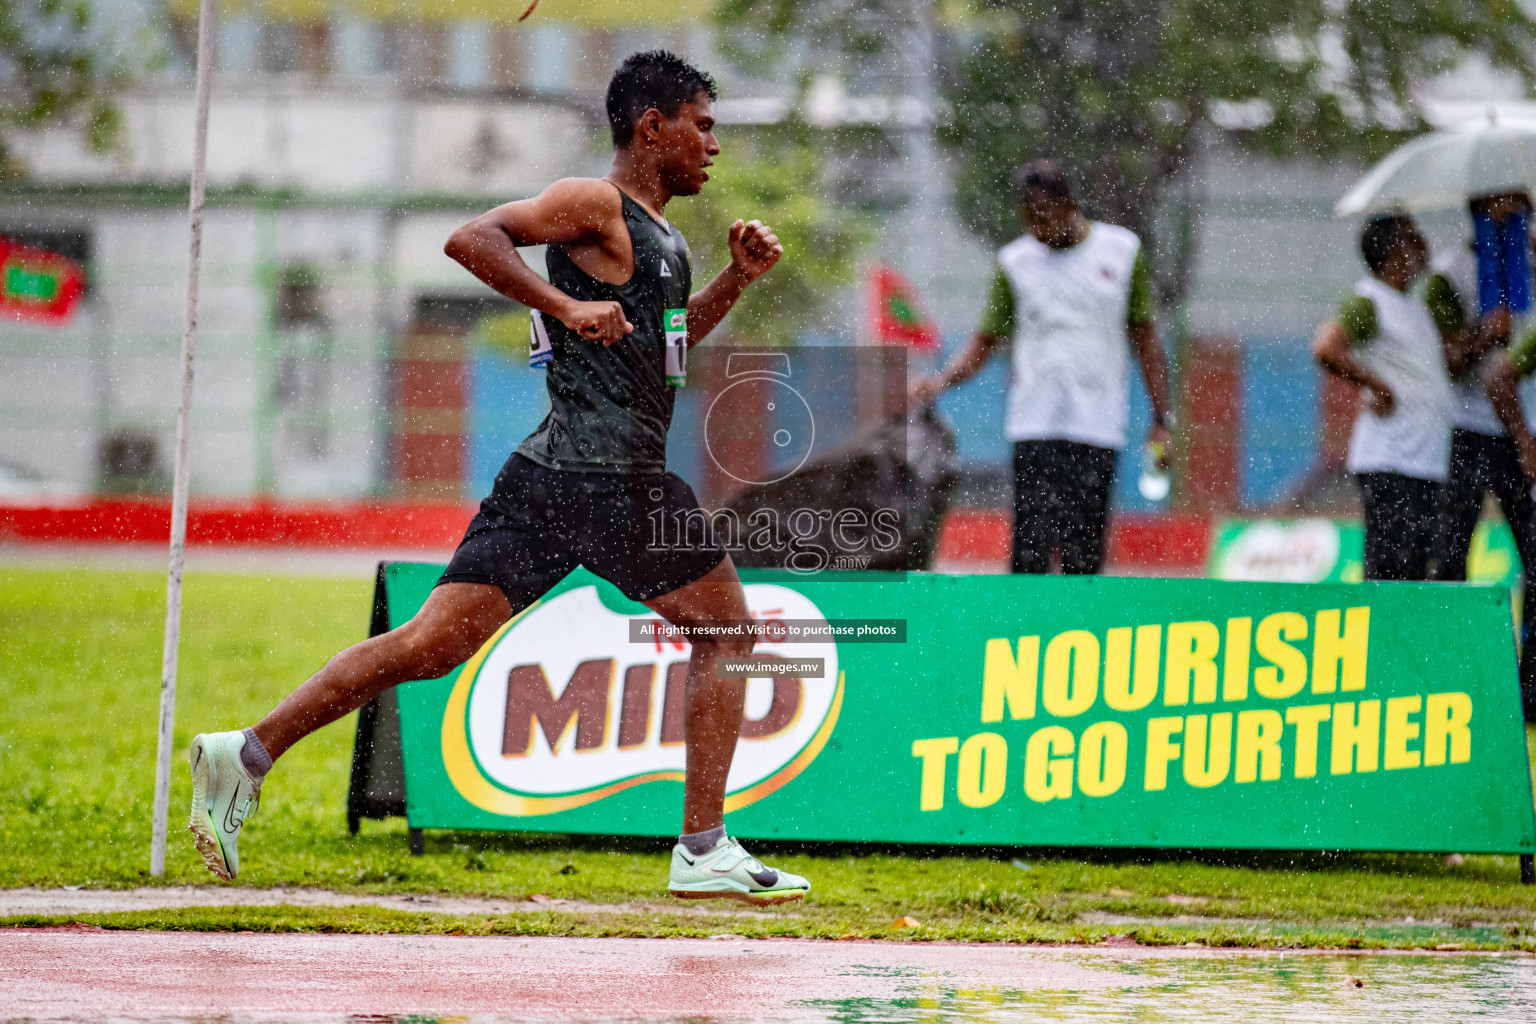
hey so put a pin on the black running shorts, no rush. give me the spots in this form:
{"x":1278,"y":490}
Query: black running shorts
{"x":539,"y":523}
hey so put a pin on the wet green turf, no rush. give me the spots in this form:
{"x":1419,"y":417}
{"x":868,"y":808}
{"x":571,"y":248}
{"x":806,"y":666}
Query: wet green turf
{"x":79,"y":677}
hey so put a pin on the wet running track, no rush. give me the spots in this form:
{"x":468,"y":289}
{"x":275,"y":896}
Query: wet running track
{"x":80,"y":975}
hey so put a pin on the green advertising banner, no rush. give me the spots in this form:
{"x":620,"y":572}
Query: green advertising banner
{"x":1018,"y":710}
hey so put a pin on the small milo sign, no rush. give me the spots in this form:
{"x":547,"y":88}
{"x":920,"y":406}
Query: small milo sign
{"x":1019,"y":710}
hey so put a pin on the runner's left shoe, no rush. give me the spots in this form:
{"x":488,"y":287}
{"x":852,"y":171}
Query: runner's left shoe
{"x":223,"y":796}
{"x":730,"y":872}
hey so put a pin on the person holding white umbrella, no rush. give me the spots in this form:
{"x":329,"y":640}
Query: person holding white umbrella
{"x":1485,"y":457}
{"x":1503,"y":379}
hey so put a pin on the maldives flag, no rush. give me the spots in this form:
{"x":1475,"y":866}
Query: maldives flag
{"x":896,"y":316}
{"x":38,"y":285}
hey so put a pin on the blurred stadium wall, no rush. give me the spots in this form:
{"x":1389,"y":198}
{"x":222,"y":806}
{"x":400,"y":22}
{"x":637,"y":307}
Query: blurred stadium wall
{"x":342,"y":356}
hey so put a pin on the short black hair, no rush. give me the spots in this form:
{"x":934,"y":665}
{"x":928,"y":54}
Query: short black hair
{"x":1381,"y":236}
{"x":1047,"y":176}
{"x":654,"y":78}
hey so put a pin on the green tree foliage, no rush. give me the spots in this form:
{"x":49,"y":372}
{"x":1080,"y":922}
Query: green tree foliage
{"x":55,"y":70}
{"x":773,"y":177}
{"x":1120,"y":90}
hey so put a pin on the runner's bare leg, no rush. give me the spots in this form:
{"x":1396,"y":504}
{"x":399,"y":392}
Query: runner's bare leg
{"x":453,"y":624}
{"x":712,"y":723}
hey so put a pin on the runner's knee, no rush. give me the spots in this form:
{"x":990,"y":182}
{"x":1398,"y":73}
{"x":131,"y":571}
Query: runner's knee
{"x":724,"y":648}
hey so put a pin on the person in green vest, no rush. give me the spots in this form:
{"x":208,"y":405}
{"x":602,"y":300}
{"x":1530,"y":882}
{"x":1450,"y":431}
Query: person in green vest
{"x":1392,"y":344}
{"x":1071,"y":303}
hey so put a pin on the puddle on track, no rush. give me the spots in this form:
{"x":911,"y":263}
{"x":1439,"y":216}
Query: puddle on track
{"x":244,"y":978}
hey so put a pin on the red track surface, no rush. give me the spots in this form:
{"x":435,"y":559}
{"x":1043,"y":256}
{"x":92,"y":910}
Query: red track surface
{"x":63,"y":972}
{"x":90,"y":975}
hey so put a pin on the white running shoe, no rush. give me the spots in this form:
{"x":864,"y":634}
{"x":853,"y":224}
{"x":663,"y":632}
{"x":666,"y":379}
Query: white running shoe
{"x":223,"y":796}
{"x":729,"y":872}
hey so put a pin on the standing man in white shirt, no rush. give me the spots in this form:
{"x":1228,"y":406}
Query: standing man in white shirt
{"x":1072,"y":299}
{"x":1385,"y":341}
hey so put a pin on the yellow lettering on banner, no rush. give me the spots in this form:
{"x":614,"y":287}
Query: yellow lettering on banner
{"x":1286,"y":672}
{"x":1161,"y":749}
{"x":1117,"y":667}
{"x":1048,"y":765}
{"x":1101,"y":759}
{"x":1306,"y":718}
{"x":1447,"y":721}
{"x":935,"y":753}
{"x":1128,"y":688}
{"x":1010,"y":682}
{"x":982,"y":771}
{"x":1071,"y":682}
{"x":1356,"y":737}
{"x":1192,"y":648}
{"x":1400,"y":732}
{"x":1258,"y":745}
{"x":1339,"y":656}
{"x":1207,"y":749}
{"x":1234,"y":676}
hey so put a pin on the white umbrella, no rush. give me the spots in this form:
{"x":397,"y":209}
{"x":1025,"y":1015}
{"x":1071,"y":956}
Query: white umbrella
{"x":1441,"y":171}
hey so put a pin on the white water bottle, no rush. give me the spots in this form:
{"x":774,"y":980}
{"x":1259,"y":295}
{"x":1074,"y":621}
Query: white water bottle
{"x":1154,"y":482}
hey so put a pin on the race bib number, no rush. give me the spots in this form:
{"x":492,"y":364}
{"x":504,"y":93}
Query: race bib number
{"x":675,"y":322}
{"x":540,"y":351}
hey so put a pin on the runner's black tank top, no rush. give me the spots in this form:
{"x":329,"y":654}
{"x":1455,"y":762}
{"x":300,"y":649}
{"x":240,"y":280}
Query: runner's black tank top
{"x":610,"y":407}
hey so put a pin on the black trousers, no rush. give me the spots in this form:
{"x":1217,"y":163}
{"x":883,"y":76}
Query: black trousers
{"x":1401,"y":514}
{"x":1060,"y":505}
{"x":1479,"y":464}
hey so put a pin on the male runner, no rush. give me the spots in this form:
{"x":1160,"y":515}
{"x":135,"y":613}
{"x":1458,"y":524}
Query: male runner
{"x":1072,"y":301}
{"x":579,"y":490}
{"x":1385,"y":341}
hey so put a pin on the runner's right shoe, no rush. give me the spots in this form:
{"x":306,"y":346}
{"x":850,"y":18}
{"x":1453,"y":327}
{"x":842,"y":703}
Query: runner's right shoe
{"x":223,"y":796}
{"x":730,"y":872}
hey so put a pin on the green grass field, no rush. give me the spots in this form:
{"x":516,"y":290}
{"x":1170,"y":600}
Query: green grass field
{"x":79,"y":677}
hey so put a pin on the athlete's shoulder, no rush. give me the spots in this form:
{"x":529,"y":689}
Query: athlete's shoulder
{"x":584,"y":197}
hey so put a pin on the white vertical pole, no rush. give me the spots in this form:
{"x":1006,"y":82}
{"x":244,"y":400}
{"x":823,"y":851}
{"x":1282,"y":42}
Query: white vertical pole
{"x":205,"y":19}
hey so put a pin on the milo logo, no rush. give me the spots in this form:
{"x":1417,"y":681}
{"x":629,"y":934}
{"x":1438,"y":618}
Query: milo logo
{"x":562,"y":709}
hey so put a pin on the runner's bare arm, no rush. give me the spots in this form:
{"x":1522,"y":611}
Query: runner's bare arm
{"x":572,"y":211}
{"x":754,"y":251}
